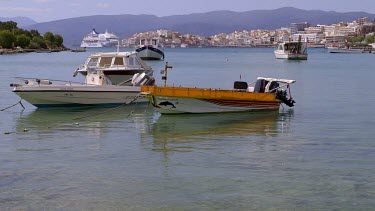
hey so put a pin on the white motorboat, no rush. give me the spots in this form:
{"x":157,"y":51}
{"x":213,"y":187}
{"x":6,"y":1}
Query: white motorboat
{"x":119,"y":67}
{"x":150,"y":50}
{"x":96,"y":91}
{"x":292,"y":50}
{"x":373,"y":47}
{"x":344,"y":50}
{"x":98,"y":40}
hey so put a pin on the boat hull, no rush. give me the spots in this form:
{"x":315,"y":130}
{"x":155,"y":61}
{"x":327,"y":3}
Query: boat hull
{"x":177,"y":100}
{"x":91,"y":45}
{"x":348,"y":51}
{"x":62,"y":96}
{"x":178,"y":105}
{"x":289,"y":56}
{"x":150,"y":53}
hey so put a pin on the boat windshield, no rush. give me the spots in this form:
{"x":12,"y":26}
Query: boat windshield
{"x":119,"y":61}
{"x":92,"y":62}
{"x":131,"y":61}
{"x":105,"y":62}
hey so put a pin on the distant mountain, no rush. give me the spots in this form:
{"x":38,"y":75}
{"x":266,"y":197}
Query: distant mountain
{"x":210,"y":23}
{"x":21,"y":21}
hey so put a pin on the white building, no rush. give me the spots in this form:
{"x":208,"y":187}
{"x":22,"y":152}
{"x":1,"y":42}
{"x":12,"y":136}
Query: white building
{"x":314,"y":38}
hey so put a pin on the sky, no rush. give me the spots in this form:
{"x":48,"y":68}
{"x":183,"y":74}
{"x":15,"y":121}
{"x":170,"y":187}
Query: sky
{"x":49,"y":10}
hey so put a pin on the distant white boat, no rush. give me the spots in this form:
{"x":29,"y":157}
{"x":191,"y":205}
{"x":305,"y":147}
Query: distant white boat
{"x":150,"y":50}
{"x":97,"y":40}
{"x":292,"y":51}
{"x":183,"y":45}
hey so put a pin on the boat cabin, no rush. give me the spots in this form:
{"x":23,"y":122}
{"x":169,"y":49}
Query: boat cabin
{"x":121,"y":60}
{"x":153,"y":42}
{"x":293,"y":47}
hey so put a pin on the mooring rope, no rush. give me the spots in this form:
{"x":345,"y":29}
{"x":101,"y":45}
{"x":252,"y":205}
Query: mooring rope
{"x":109,"y":110}
{"x":19,"y":102}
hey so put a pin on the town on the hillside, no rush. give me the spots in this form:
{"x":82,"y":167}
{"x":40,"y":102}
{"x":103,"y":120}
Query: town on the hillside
{"x":357,"y":32}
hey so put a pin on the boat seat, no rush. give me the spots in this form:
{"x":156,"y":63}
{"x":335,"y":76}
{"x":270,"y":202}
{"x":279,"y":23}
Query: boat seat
{"x":240,"y":85}
{"x":260,"y":86}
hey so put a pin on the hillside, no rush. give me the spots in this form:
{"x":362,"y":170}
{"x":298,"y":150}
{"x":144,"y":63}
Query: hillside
{"x":209,"y":23}
{"x":22,"y":21}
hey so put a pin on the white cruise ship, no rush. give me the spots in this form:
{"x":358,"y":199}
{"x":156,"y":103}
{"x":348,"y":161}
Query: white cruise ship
{"x":97,"y":40}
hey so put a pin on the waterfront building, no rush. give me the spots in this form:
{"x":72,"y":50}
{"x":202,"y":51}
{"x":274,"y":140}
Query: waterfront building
{"x":362,"y":20}
{"x":314,"y":29}
{"x":164,"y":33}
{"x":335,"y":41}
{"x":313,"y":38}
{"x":296,"y":27}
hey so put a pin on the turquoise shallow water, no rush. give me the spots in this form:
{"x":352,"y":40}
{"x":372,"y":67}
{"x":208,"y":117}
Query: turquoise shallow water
{"x":319,"y":155}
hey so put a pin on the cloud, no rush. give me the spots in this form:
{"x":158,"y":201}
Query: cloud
{"x":102,"y":5}
{"x":25,"y":9}
{"x":43,"y":1}
{"x":74,"y":4}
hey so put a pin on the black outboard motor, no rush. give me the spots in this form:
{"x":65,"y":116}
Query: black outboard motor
{"x":282,"y":95}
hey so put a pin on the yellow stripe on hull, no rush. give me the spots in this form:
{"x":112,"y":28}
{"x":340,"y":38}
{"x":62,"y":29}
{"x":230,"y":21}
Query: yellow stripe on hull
{"x":198,"y":100}
{"x":199,"y":93}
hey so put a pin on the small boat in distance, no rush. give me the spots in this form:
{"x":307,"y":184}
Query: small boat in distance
{"x":78,"y":50}
{"x":43,"y":51}
{"x":292,"y":50}
{"x":150,"y":49}
{"x":372,"y":47}
{"x":267,"y":95}
{"x":344,"y":49}
{"x":118,"y":66}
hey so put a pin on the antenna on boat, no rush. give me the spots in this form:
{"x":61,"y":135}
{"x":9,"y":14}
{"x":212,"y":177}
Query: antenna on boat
{"x":165,"y":72}
{"x":118,"y":46}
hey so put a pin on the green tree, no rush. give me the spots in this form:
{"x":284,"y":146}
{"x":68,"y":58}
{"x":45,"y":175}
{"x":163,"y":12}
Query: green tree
{"x":9,"y":25}
{"x":7,"y":39}
{"x":19,"y":31}
{"x":48,"y":36}
{"x":58,"y":40}
{"x":23,"y":40}
{"x":34,"y":45}
{"x":354,"y":40}
{"x":370,"y":39}
{"x":37,"y":42}
{"x":34,"y":33}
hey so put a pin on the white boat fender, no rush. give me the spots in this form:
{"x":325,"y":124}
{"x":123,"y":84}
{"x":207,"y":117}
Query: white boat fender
{"x":137,"y":79}
{"x":134,"y":77}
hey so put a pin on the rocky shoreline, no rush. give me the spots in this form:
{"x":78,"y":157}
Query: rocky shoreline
{"x":20,"y":50}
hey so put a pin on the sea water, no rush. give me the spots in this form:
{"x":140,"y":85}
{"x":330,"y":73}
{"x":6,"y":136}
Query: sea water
{"x":318,"y":155}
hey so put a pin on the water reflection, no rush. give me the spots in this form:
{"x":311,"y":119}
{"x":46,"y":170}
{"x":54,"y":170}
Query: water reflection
{"x":95,"y":121}
{"x":182,"y":129}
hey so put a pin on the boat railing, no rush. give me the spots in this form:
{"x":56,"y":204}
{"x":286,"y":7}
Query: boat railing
{"x":45,"y":82}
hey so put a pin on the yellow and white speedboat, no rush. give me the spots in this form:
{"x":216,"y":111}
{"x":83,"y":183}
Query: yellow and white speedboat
{"x":267,"y":94}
